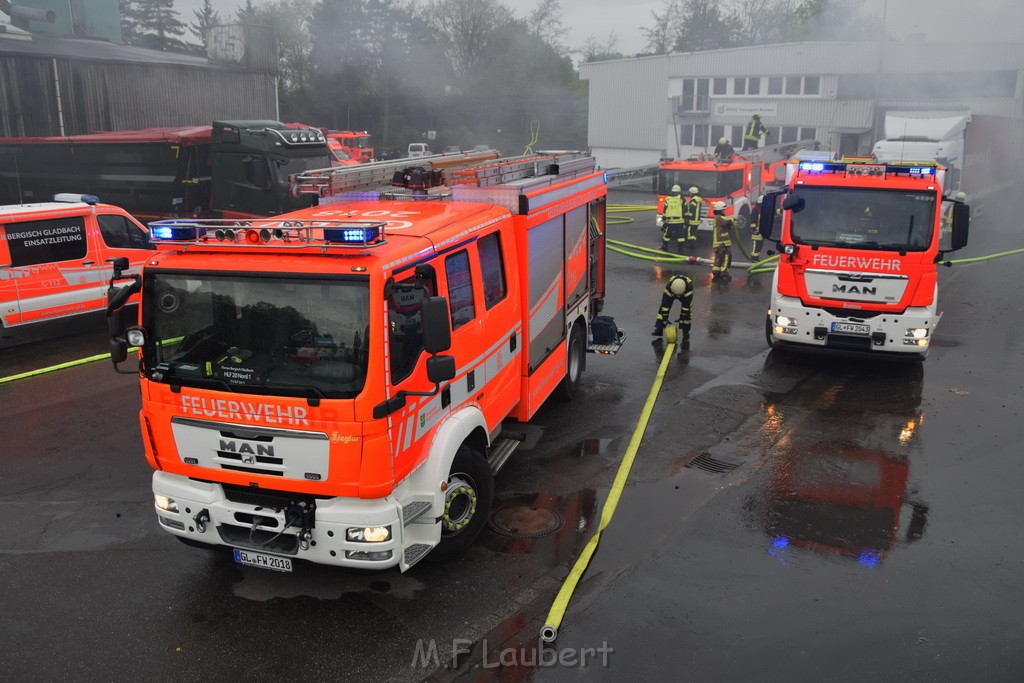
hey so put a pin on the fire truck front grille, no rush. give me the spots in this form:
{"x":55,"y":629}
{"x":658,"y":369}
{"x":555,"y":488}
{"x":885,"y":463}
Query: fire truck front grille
{"x":272,"y":500}
{"x":847,"y":313}
{"x":264,"y":541}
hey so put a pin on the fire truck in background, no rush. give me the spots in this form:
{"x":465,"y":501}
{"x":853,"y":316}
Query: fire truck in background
{"x":355,"y":143}
{"x":340,"y":384}
{"x":232,"y":169}
{"x":859,"y":245}
{"x":737,"y":182}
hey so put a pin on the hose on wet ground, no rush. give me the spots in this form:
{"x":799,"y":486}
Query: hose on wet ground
{"x":549,"y":632}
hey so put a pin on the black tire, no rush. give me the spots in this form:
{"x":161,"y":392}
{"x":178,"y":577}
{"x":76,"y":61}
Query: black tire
{"x":575,"y":363}
{"x":743,"y":222}
{"x":768,"y":332}
{"x":468,"y":503}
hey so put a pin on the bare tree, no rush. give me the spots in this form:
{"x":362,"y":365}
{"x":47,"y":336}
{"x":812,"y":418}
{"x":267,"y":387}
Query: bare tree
{"x":465,"y":27}
{"x":594,"y":50}
{"x":545,"y":22}
{"x":663,"y":34}
{"x":206,"y":18}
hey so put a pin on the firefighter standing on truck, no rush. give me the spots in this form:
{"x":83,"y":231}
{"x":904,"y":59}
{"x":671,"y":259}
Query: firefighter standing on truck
{"x":672,"y":217}
{"x":691,"y":214}
{"x":722,"y":235}
{"x":755,"y":226}
{"x":753,"y":132}
{"x":679,"y":288}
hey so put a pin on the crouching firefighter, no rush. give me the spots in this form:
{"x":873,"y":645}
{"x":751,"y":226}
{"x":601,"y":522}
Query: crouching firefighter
{"x":679,"y":288}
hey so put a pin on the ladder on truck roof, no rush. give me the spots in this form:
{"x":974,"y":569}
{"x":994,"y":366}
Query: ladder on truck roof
{"x":513,"y":182}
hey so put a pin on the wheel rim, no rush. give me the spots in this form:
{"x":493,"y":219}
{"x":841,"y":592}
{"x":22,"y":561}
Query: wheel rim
{"x":459,"y":503}
{"x":574,"y":358}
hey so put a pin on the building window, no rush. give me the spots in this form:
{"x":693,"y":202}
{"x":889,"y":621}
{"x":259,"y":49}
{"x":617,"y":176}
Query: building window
{"x":775,"y":85}
{"x":754,"y":85}
{"x":812,"y":85}
{"x":737,"y":136}
{"x":808,"y":133}
{"x":702,"y":94}
{"x":717,"y":133}
{"x":686,"y":134}
{"x":793,"y":85}
{"x":700,"y":136}
{"x":775,"y":132}
{"x":789,"y":134}
{"x":720,"y":86}
{"x":688,"y":92}
{"x":739,"y":86}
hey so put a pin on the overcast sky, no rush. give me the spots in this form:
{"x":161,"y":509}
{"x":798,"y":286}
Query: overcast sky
{"x":937,"y":19}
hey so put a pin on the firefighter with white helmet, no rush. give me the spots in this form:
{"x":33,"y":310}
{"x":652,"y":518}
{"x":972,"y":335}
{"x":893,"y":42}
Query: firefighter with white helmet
{"x":723,"y":150}
{"x":691,"y":213}
{"x":722,"y":240}
{"x":672,"y":220}
{"x":679,"y":288}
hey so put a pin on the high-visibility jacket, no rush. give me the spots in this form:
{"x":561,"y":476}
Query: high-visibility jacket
{"x":753,"y":132}
{"x":673,"y":209}
{"x":691,"y":212}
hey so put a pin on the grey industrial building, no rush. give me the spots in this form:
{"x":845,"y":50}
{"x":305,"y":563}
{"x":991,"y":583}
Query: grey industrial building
{"x":674,"y":105}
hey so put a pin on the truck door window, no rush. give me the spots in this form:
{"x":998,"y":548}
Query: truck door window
{"x":492,"y":269}
{"x":460,"y":288}
{"x":405,"y":329}
{"x":48,"y":241}
{"x":729,"y":182}
{"x":120,"y":233}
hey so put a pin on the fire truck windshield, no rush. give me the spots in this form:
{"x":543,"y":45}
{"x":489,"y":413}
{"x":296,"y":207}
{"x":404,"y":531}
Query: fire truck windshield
{"x":276,"y":334}
{"x":860,"y":218}
{"x":710,"y":183}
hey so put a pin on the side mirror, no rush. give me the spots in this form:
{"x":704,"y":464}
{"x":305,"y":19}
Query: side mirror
{"x":118,"y":350}
{"x":794,"y":203}
{"x":961,"y":226}
{"x":440,"y":368}
{"x":257,"y":172}
{"x":766,"y":222}
{"x":118,"y":297}
{"x":437,"y":328}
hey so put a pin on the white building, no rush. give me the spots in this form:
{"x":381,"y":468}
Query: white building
{"x":645,"y":108}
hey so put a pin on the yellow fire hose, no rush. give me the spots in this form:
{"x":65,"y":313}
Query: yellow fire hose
{"x":549,"y":632}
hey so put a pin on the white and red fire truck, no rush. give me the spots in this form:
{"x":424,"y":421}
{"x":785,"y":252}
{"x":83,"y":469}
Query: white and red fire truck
{"x":859,"y":245}
{"x":337,"y":384}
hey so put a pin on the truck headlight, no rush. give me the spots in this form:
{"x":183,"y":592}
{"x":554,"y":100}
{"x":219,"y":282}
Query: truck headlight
{"x":917,"y":332}
{"x":370,"y":534}
{"x":136,"y":336}
{"x":165,"y":503}
{"x":784,"y":320}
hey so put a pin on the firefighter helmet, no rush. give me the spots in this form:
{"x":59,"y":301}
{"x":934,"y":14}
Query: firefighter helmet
{"x":694,"y":190}
{"x":677,"y":286}
{"x":720,"y":208}
{"x":723,"y":140}
{"x":960,"y":196}
{"x":676,"y":189}
{"x":760,"y":199}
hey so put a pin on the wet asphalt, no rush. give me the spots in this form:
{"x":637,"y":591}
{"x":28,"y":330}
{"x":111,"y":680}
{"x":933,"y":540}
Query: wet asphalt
{"x":787,"y":517}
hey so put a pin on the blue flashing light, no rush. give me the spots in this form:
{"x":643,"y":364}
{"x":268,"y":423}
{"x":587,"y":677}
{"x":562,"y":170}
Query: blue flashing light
{"x":174,"y":232}
{"x":781,"y":542}
{"x":868,"y":558}
{"x":926,"y":170}
{"x":352,"y":235}
{"x":812,"y":166}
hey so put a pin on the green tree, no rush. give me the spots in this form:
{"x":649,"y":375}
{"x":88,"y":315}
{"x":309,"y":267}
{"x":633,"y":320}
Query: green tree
{"x":205,"y":18}
{"x":705,"y":25}
{"x":291,"y":21}
{"x":159,"y":26}
{"x":130,"y":33}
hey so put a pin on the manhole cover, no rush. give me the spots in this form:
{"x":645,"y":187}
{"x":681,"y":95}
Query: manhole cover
{"x":524,"y":521}
{"x":707,"y":463}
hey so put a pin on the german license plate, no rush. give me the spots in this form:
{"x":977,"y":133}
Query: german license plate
{"x":263,"y":561}
{"x":851,"y":328}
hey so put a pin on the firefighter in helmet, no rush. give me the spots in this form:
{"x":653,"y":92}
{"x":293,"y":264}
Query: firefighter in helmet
{"x":691,"y":214}
{"x":722,"y":240}
{"x":755,"y":228}
{"x":753,"y":132}
{"x":679,"y":288}
{"x":672,"y":220}
{"x":724,"y":151}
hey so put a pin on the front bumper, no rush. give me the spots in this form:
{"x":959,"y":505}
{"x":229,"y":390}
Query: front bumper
{"x":209,"y":514}
{"x":812,"y":328}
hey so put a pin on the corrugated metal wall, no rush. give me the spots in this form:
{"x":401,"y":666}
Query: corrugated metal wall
{"x":628,"y":103}
{"x":98,"y":95}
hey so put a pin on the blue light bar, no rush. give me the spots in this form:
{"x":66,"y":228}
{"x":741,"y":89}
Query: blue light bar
{"x":173,"y":231}
{"x":812,"y":166}
{"x":925,"y":170}
{"x":352,"y":235}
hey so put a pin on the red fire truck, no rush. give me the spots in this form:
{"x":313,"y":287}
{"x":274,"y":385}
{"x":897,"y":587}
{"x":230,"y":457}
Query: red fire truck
{"x":355,"y":143}
{"x":737,"y":181}
{"x":339,"y":384}
{"x":860,"y":242}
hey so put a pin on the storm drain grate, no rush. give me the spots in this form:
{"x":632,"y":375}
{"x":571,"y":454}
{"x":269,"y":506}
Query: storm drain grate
{"x":705,"y":462}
